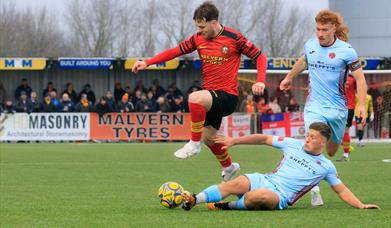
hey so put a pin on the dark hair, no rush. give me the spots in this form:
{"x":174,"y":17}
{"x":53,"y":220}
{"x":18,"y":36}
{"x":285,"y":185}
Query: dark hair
{"x":322,"y":128}
{"x":206,"y":10}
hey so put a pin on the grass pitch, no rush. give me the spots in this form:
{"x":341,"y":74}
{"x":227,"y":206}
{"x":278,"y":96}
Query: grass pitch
{"x":115,"y":185}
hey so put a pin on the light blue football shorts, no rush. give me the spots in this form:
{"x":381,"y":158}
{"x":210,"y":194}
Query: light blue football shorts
{"x":335,"y":118}
{"x":258,"y":180}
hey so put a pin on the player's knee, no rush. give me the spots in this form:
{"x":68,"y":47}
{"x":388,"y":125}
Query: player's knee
{"x":195,"y":98}
{"x":255,"y":201}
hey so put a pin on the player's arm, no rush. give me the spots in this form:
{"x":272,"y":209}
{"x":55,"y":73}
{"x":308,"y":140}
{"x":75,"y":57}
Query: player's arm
{"x":162,"y":57}
{"x":361,"y":84}
{"x":255,"y":139}
{"x":346,"y":195}
{"x":184,"y":47}
{"x":251,"y":51}
{"x":299,"y":67}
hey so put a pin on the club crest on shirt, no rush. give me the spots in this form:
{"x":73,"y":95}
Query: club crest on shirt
{"x":318,"y":162}
{"x":332,"y":55}
{"x":280,"y":139}
{"x":224,"y":50}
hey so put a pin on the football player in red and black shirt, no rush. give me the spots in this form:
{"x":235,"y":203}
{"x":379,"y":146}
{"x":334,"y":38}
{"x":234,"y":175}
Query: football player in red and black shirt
{"x":220,"y":49}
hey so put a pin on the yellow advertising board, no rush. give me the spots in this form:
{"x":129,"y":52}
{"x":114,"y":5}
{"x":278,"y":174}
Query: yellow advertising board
{"x":169,"y":65}
{"x":22,"y":63}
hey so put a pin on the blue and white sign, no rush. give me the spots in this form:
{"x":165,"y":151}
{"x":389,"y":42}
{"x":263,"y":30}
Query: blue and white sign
{"x":85,"y":63}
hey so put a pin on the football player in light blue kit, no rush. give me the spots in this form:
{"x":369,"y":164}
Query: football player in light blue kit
{"x":329,"y":59}
{"x":301,"y":167}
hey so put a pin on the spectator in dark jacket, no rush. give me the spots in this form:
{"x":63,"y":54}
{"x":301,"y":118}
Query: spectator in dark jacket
{"x":110,"y":100}
{"x":36,"y":106}
{"x":125,"y":105}
{"x":47,"y":104}
{"x":84,"y":105}
{"x":9,"y":107}
{"x":143,"y":105}
{"x":118,"y":92}
{"x":71,"y":92}
{"x":23,"y":87}
{"x":66,"y":104}
{"x":23,"y":105}
{"x":102,"y":107}
{"x":90,"y":94}
{"x":49,"y":88}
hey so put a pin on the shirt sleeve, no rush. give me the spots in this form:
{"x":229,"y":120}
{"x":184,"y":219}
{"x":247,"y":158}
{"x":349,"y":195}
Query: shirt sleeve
{"x":281,"y":142}
{"x":247,"y":48}
{"x":352,"y":60}
{"x":188,"y":45}
{"x":332,"y":176}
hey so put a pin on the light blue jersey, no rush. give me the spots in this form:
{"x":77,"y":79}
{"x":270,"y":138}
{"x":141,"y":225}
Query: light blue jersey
{"x":328,"y":68}
{"x":299,"y":171}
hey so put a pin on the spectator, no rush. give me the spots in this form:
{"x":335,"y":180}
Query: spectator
{"x":136,"y":98}
{"x":9,"y":107}
{"x":110,"y":100}
{"x":83,"y":105}
{"x":118,"y":91}
{"x":293,"y":105}
{"x":152,"y":100}
{"x":157,"y":89}
{"x":55,"y":101}
{"x":90,"y":94}
{"x":49,"y":88}
{"x":36,"y":106}
{"x":248,"y":105}
{"x":3,"y":94}
{"x":139,"y":86}
{"x":23,"y":105}
{"x":263,"y":107}
{"x":283,"y":97}
{"x":125,"y":105}
{"x":47,"y":104}
{"x":162,"y":104}
{"x":378,"y":118}
{"x":195,"y":87}
{"x":273,"y":104}
{"x":175,"y":91}
{"x":143,"y":105}
{"x":177,"y":104}
{"x":23,"y":87}
{"x":66,"y":104}
{"x":71,"y":92}
{"x":102,"y":107}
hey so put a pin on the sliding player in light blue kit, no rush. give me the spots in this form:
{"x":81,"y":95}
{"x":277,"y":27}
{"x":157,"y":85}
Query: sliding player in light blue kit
{"x":302,"y":167}
{"x":329,"y":59}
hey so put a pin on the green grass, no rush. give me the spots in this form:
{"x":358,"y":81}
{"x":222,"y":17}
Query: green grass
{"x":106,"y":185}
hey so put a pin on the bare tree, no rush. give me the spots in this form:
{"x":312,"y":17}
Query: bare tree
{"x":93,"y":26}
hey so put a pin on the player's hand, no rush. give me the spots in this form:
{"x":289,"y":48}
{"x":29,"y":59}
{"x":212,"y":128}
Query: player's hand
{"x":226,"y":141}
{"x":139,"y":65}
{"x":371,"y":206}
{"x":362,"y":112}
{"x":286,"y":84}
{"x":258,"y":88}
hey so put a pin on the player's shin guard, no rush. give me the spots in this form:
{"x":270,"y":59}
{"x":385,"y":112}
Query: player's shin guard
{"x":222,"y":155}
{"x":197,"y":115}
{"x":212,"y":194}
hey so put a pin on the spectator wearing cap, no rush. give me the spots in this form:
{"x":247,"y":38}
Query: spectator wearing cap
{"x":90,"y":94}
{"x":125,"y":105}
{"x":23,"y":104}
{"x":23,"y":87}
{"x":71,"y":92}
